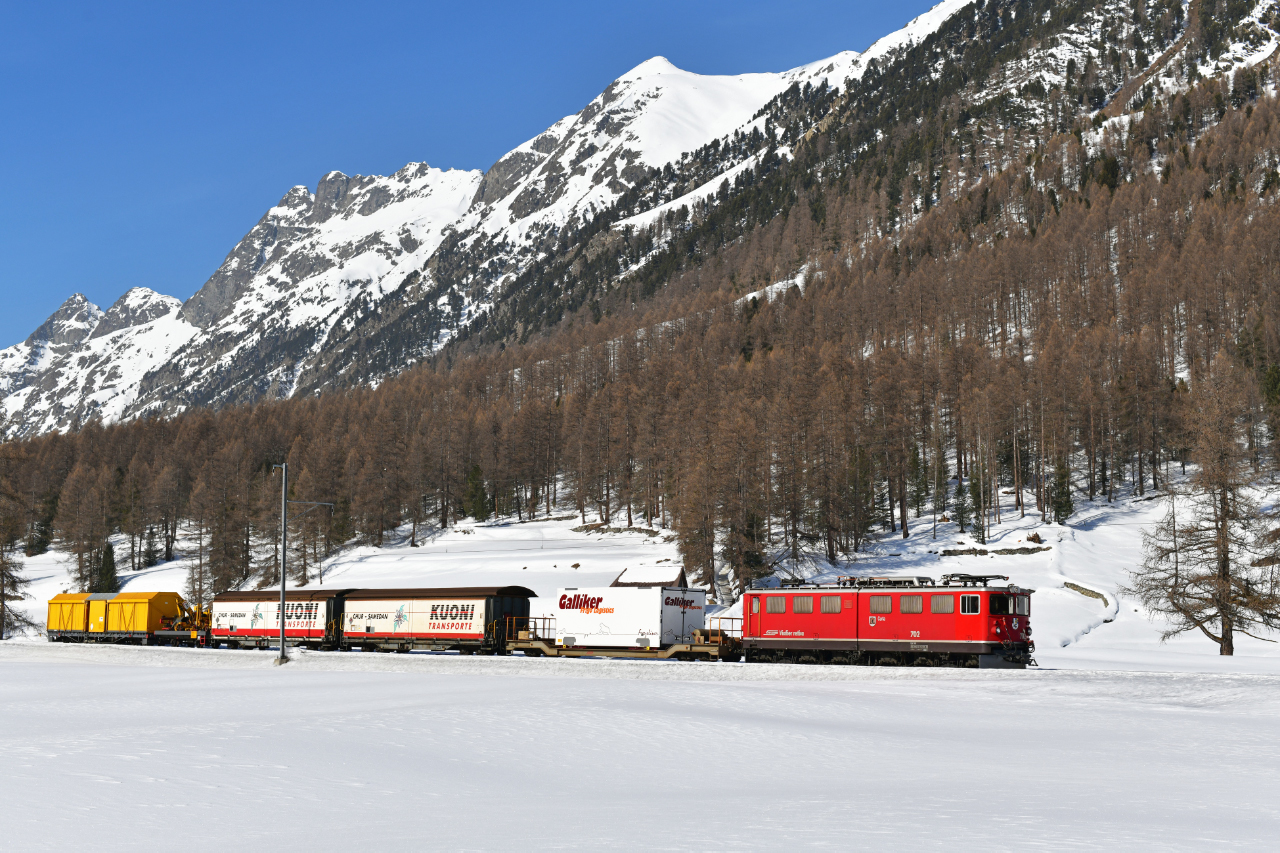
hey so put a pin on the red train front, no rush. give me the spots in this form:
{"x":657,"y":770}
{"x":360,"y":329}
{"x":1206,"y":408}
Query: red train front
{"x":964,"y":621}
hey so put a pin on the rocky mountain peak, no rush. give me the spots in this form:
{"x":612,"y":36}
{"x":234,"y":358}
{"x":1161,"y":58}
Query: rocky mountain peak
{"x":72,"y":323}
{"x":140,"y":305}
{"x":299,"y":198}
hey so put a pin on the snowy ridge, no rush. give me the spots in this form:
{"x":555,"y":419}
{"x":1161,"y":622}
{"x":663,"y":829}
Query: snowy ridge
{"x":645,"y":119}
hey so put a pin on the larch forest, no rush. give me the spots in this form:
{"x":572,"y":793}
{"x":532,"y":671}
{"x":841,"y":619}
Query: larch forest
{"x":974,"y":310}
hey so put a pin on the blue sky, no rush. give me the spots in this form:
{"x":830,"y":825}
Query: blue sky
{"x":139,"y":142}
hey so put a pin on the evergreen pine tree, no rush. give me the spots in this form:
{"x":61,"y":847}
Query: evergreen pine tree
{"x":150,"y":553}
{"x":105,"y":579}
{"x":1060,"y":501}
{"x":962,"y":504}
{"x":40,"y":536}
{"x":941,"y":494}
{"x":975,"y":506}
{"x":919,"y":480}
{"x":12,"y":591}
{"x":476,"y":498}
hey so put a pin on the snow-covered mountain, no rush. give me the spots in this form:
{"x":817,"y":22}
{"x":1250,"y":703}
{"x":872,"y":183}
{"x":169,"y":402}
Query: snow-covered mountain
{"x":84,"y":362}
{"x":368,"y":275}
{"x":318,"y":261}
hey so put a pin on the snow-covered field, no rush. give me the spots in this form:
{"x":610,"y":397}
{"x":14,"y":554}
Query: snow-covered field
{"x":1116,"y":739}
{"x":115,"y":749}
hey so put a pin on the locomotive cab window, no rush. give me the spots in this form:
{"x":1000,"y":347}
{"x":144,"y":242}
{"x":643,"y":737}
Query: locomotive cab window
{"x":755,"y":604}
{"x":882,"y":604}
{"x":1000,"y":605}
{"x":942,"y":604}
{"x":969,"y":604}
{"x":775,"y":604}
{"x":911,"y":604}
{"x":1022,"y":605}
{"x":830,"y":604}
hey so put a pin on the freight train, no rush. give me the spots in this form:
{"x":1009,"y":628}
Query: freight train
{"x":966,"y":620}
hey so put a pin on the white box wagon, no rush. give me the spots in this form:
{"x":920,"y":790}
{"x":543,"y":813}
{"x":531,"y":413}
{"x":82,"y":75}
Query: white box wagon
{"x":628,"y":617}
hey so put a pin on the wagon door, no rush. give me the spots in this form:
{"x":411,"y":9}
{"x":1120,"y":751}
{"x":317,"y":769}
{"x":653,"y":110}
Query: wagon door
{"x":98,"y":611}
{"x":849,"y":616}
{"x":969,"y":626}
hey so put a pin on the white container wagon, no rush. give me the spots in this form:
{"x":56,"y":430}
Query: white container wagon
{"x":613,"y":617}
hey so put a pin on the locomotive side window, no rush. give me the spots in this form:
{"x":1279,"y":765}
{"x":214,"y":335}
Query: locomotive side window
{"x":830,"y":604}
{"x":911,"y":604}
{"x":882,"y":604}
{"x":1000,"y":605}
{"x":755,"y":604}
{"x":775,"y":604}
{"x":1023,"y":605}
{"x":969,"y":604}
{"x":942,"y":604}
{"x":802,"y":604}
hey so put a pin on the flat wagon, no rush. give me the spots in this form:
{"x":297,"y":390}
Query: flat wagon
{"x":632,"y":622}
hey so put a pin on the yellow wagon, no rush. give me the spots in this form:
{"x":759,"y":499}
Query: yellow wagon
{"x":145,"y":618}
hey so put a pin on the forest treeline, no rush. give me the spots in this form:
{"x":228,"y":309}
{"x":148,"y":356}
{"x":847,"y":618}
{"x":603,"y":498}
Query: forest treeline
{"x":1041,"y":331}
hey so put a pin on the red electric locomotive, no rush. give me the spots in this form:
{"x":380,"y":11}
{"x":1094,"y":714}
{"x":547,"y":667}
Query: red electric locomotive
{"x":964,"y":621}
